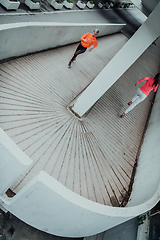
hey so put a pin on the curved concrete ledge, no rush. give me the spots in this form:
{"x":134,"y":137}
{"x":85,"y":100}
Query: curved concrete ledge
{"x":147,"y":178}
{"x":13,"y":162}
{"x":38,"y":36}
{"x":47,"y":205}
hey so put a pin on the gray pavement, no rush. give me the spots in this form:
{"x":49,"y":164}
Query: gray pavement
{"x":125,"y":231}
{"x":45,"y":7}
{"x":133,"y":17}
{"x":11,"y":228}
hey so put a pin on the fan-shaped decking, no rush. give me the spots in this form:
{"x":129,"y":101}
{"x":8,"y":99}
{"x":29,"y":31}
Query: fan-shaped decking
{"x":94,"y":157}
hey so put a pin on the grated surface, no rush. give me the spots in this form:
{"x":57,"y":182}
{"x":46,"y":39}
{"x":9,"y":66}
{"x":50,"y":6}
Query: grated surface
{"x":94,"y":157}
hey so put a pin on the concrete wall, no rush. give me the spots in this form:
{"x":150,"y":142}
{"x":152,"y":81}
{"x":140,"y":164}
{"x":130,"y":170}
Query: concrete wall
{"x":18,"y":39}
{"x":150,"y":5}
{"x":147,"y":178}
{"x":13,"y":162}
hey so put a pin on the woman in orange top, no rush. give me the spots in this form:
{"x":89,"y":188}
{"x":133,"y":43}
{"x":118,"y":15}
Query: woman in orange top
{"x":87,"y":40}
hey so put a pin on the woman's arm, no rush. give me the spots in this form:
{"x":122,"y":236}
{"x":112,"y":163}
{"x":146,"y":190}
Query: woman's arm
{"x":141,"y":80}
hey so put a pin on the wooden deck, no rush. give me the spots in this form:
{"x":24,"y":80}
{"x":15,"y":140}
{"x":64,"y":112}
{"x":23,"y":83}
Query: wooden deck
{"x":94,"y":157}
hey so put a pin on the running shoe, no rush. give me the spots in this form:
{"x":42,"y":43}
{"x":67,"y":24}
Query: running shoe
{"x":129,"y":103}
{"x":69,"y":64}
{"x":122,"y":116}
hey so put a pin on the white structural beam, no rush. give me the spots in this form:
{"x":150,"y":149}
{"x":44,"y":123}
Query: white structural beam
{"x":129,"y":53}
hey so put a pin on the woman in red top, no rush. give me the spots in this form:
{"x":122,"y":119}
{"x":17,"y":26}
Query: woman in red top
{"x":87,"y":40}
{"x":143,"y":92}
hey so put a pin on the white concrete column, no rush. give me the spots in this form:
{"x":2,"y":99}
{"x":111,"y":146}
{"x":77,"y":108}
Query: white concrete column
{"x":128,"y":54}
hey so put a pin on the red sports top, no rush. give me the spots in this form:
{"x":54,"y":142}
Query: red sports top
{"x":147,"y":87}
{"x":90,"y":40}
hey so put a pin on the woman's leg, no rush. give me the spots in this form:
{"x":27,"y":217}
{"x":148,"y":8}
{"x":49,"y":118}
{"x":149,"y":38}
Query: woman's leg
{"x":135,"y":97}
{"x":139,"y":97}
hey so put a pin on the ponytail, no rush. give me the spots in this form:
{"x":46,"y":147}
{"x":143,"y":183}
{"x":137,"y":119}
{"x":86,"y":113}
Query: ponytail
{"x":156,"y":79}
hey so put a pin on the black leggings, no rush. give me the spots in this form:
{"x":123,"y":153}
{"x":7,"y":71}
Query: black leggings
{"x":80,"y":49}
